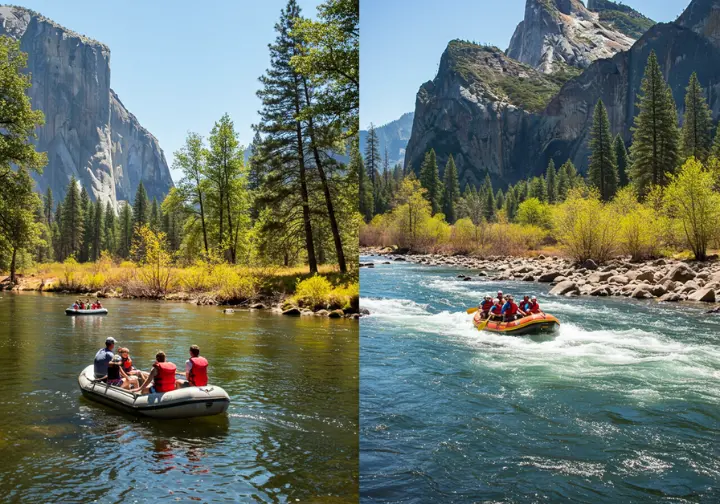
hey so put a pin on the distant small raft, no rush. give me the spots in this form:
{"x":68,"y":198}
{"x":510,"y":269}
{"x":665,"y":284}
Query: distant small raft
{"x":538,"y":323}
{"x":181,"y":403}
{"x":73,"y":311}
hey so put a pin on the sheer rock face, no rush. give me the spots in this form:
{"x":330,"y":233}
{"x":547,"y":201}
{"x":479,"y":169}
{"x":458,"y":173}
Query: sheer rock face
{"x":563,"y":32}
{"x":88,"y":132}
{"x":461,"y":112}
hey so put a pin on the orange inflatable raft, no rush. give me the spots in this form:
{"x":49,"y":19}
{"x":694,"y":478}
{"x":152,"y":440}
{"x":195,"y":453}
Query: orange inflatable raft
{"x":532,"y":324}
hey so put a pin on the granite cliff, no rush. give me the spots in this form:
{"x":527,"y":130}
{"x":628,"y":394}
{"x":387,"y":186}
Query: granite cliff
{"x":88,"y":132}
{"x":512,"y":133}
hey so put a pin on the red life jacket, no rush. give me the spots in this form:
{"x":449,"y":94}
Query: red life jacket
{"x":198,"y":372}
{"x":165,"y":377}
{"x":127,"y":365}
{"x":535,"y":307}
{"x":496,"y":309}
{"x":486,"y":305}
{"x":513,"y":309}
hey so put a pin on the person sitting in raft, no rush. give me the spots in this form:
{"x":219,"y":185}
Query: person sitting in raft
{"x":98,"y":306}
{"x":103,"y":358}
{"x":195,"y":370}
{"x":75,"y":305}
{"x":127,"y":365}
{"x":533,"y":307}
{"x":511,"y":311}
{"x":162,"y":376}
{"x":525,"y":303}
{"x":500,"y":298}
{"x":485,"y":307}
{"x":496,"y":311}
{"x":117,"y":377}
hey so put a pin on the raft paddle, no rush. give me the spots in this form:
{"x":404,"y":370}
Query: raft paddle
{"x":482,"y":324}
{"x":470,"y":311}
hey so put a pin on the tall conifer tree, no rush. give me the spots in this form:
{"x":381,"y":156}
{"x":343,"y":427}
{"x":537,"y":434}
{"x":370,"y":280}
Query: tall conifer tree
{"x":430,"y":180}
{"x":621,"y":158}
{"x":602,"y":171}
{"x":697,"y":122}
{"x":451,"y":191}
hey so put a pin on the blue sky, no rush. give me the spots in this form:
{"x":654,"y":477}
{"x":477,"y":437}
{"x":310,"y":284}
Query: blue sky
{"x":179,"y":65}
{"x":401,"y":42}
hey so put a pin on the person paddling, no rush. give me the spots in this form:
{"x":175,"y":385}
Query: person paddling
{"x":533,"y":307}
{"x":511,"y":310}
{"x":162,"y":375}
{"x":195,"y":370}
{"x":485,"y":307}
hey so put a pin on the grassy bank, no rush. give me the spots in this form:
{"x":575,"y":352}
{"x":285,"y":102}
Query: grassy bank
{"x":203,"y":283}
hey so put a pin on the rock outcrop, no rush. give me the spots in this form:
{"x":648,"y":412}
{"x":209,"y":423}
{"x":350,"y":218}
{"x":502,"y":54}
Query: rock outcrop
{"x":512,"y":130}
{"x":558,"y":33}
{"x":88,"y":132}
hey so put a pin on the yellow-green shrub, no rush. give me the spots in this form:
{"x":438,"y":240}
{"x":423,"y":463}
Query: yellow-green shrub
{"x":313,"y":292}
{"x":586,"y":227}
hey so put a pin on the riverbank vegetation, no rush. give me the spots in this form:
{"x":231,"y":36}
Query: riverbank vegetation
{"x":660,"y":198}
{"x":231,"y":229}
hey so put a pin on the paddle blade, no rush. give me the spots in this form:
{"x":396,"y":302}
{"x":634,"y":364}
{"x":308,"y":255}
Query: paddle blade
{"x":470,"y":311}
{"x":482,"y":324}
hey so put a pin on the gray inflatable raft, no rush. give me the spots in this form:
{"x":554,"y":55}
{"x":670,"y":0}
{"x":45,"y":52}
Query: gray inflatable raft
{"x":181,"y":403}
{"x":73,"y":311}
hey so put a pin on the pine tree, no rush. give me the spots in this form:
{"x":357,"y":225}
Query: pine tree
{"x":109,"y":232}
{"x":489,"y":198}
{"x":372,"y":154}
{"x":48,"y":207}
{"x":511,"y":205}
{"x":285,"y":185}
{"x":538,"y":189}
{"x":451,"y":191}
{"x":499,"y":199}
{"x":566,"y":179}
{"x":551,"y":182}
{"x":621,"y":158}
{"x":140,"y":211}
{"x":654,"y":150}
{"x":98,"y":231}
{"x":715,"y":151}
{"x":126,"y":231}
{"x":89,"y":234}
{"x":430,"y":180}
{"x":697,"y":123}
{"x":365,"y":196}
{"x":155,"y":216}
{"x":602,"y":171}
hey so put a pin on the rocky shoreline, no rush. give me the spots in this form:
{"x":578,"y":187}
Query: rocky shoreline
{"x":279,"y":304}
{"x":667,"y":280}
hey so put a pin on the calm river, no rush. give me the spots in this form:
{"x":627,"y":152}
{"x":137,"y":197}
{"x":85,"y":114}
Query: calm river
{"x":290,"y":434}
{"x":622,"y":405}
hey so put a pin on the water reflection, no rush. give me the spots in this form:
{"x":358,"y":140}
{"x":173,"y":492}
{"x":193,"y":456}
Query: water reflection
{"x":290,"y":432}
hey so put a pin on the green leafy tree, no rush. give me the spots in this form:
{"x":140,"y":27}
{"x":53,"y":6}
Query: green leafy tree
{"x":602,"y":171}
{"x":48,"y":206}
{"x":430,"y":180}
{"x":654,"y":150}
{"x":691,"y":199}
{"x":621,"y":158}
{"x":697,"y":123}
{"x":73,"y":220}
{"x":551,"y":182}
{"x":18,"y":204}
{"x":715,"y":151}
{"x":534,"y":212}
{"x":451,"y":191}
{"x":331,"y":59}
{"x":155,"y":216}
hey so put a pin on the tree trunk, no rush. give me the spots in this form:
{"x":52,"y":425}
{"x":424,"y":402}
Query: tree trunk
{"x":312,"y":263}
{"x":202,"y":216}
{"x":12,"y":266}
{"x":326,"y":190}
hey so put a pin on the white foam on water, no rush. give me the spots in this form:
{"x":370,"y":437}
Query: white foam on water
{"x":574,"y":353}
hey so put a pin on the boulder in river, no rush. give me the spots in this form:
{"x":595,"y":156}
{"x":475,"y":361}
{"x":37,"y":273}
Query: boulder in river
{"x":670,"y":297}
{"x":565,"y":288}
{"x":293,"y":312}
{"x":704,"y":295}
{"x":619,"y":279}
{"x":641,"y":292}
{"x":336,"y":314}
{"x":600,"y":276}
{"x":548,"y":277}
{"x":589,"y":264}
{"x":681,"y":273}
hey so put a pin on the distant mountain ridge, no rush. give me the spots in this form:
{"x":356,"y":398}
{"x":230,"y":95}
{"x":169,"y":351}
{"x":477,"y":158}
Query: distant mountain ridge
{"x":393,"y":135}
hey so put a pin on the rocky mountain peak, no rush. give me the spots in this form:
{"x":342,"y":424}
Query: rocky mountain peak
{"x":557,"y":33}
{"x":703,"y":17}
{"x":88,"y":132}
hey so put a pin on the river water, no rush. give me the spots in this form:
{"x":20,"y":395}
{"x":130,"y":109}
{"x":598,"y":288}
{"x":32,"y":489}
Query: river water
{"x":290,"y":433}
{"x":621,"y":405}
